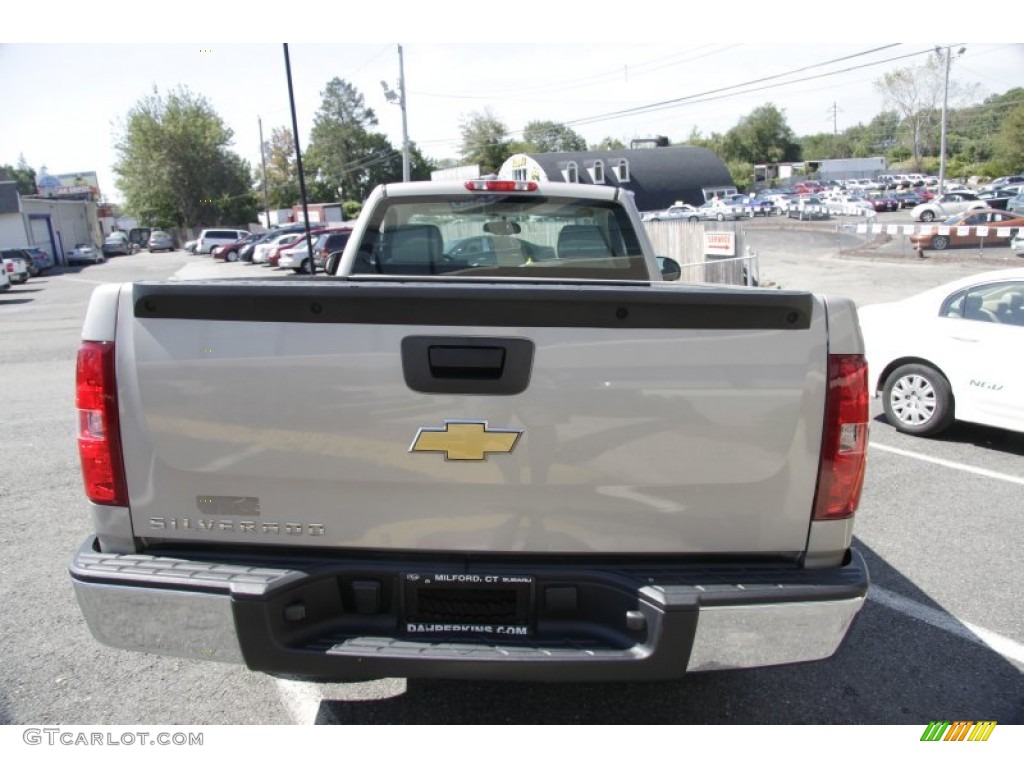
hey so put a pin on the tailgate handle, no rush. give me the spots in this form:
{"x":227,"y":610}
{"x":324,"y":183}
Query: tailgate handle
{"x":466,"y":362}
{"x":467,"y":365}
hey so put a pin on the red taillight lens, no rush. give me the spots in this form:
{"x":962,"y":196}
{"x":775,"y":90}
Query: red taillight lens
{"x":480,"y":185}
{"x":845,"y":440}
{"x":99,"y":433}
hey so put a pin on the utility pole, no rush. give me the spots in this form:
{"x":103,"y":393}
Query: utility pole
{"x":945,"y":101}
{"x":263,"y":162}
{"x":399,"y":98}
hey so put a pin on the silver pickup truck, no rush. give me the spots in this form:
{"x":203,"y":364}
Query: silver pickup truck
{"x":543,"y":461}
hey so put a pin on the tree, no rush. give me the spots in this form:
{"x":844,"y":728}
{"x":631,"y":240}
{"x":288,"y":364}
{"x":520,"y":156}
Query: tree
{"x":341,"y":148}
{"x":549,"y":136}
{"x":916,"y":94}
{"x":763,"y":136}
{"x":174,"y":164}
{"x":484,"y":140}
{"x":282,"y":169}
{"x":1009,"y":142}
{"x":22,"y":175}
{"x":607,"y":144}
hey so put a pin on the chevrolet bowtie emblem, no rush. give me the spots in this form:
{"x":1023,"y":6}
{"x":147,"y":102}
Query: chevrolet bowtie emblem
{"x":465,"y":440}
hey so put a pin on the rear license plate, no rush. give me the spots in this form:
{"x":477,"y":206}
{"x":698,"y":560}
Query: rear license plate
{"x":467,"y":604}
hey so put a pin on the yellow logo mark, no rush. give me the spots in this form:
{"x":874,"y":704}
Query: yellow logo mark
{"x":465,"y":440}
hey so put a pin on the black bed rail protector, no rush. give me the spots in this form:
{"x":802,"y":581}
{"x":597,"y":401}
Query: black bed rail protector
{"x":471,"y":303}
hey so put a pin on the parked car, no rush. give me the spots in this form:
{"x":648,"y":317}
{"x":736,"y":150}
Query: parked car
{"x":138,"y":237}
{"x":5,"y":282}
{"x":160,"y":241}
{"x":21,"y":253}
{"x":1016,"y":204}
{"x":718,"y":210}
{"x":15,"y":268}
{"x":262,"y":252}
{"x":40,"y":256}
{"x":328,"y":243}
{"x":1017,"y":243}
{"x":84,"y":253}
{"x":117,"y":244}
{"x":1002,"y":181}
{"x":883,"y":203}
{"x":231,"y":251}
{"x":209,"y":238}
{"x":190,"y":246}
{"x":963,"y":230}
{"x":807,"y":207}
{"x":679,"y":211}
{"x":956,"y":355}
{"x":909,"y":199}
{"x":946,"y":205}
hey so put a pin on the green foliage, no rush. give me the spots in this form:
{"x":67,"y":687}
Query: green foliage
{"x":282,"y":169}
{"x":22,"y":175}
{"x":175,"y":167}
{"x":549,"y":136}
{"x":762,"y":136}
{"x":342,"y":148}
{"x":742,"y":174}
{"x":607,"y":144}
{"x":484,"y":141}
{"x":1008,"y":143}
{"x":351,"y":209}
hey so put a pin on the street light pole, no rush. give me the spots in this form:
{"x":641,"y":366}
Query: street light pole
{"x":263,"y":163}
{"x":945,"y":103}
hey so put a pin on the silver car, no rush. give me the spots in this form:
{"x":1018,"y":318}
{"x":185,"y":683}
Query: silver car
{"x":160,"y":241}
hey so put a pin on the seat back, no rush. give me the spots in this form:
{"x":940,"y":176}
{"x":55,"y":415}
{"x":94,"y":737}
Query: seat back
{"x":411,"y":249}
{"x":582,"y":241}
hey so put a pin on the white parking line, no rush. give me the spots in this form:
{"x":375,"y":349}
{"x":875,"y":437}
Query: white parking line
{"x":951,"y":464}
{"x":1004,"y":646}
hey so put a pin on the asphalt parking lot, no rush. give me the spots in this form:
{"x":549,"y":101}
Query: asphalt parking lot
{"x":941,"y":637}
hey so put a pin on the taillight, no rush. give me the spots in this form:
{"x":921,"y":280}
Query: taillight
{"x":9,"y":265}
{"x":99,"y":432}
{"x":494,"y":185}
{"x":845,"y":438}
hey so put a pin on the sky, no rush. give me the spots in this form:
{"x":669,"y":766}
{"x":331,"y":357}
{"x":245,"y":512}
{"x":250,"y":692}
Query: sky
{"x":74,"y":80}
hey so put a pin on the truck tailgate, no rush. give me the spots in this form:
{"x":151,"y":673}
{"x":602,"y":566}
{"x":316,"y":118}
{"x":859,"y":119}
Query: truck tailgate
{"x":491,"y":417}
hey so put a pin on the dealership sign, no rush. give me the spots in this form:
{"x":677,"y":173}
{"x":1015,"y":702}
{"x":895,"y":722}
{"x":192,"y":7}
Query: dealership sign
{"x":720,"y":243}
{"x":69,"y":185}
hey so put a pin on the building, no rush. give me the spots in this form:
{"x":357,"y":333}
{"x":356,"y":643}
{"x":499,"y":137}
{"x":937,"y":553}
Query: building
{"x":658,"y":177}
{"x":52,"y":224}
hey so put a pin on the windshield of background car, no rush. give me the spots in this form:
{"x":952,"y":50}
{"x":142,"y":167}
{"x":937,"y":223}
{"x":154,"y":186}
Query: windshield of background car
{"x":528,"y":236}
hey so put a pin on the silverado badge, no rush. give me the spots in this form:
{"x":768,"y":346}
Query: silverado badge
{"x":465,"y":440}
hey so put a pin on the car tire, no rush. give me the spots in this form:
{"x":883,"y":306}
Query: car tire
{"x":694,"y":219}
{"x":918,"y":400}
{"x":303,"y":268}
{"x":940,"y":243}
{"x":721,"y":217}
{"x":927,"y":215}
{"x":232,"y":256}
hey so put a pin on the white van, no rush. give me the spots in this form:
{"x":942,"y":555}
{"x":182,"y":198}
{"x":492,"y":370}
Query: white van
{"x":209,"y":238}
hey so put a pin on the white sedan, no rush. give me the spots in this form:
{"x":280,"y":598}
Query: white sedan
{"x":950,"y":353}
{"x":84,"y":253}
{"x":944,"y":206}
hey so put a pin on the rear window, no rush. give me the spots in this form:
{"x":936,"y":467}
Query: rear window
{"x":515,"y":236}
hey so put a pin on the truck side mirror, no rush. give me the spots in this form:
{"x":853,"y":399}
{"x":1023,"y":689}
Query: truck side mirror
{"x":670,"y":269}
{"x":333,"y":260}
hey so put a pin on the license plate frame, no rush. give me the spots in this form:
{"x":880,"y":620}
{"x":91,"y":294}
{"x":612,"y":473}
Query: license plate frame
{"x":467,"y":605}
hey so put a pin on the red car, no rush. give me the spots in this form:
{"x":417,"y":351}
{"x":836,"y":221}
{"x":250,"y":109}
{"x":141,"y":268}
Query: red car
{"x":230,"y":251}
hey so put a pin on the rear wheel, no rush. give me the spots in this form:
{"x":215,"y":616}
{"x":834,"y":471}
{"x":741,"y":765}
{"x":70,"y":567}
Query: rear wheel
{"x":940,"y":242}
{"x":721,"y":217}
{"x":304,"y":267}
{"x":232,"y":256}
{"x":918,"y":400}
{"x":928,"y":216}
